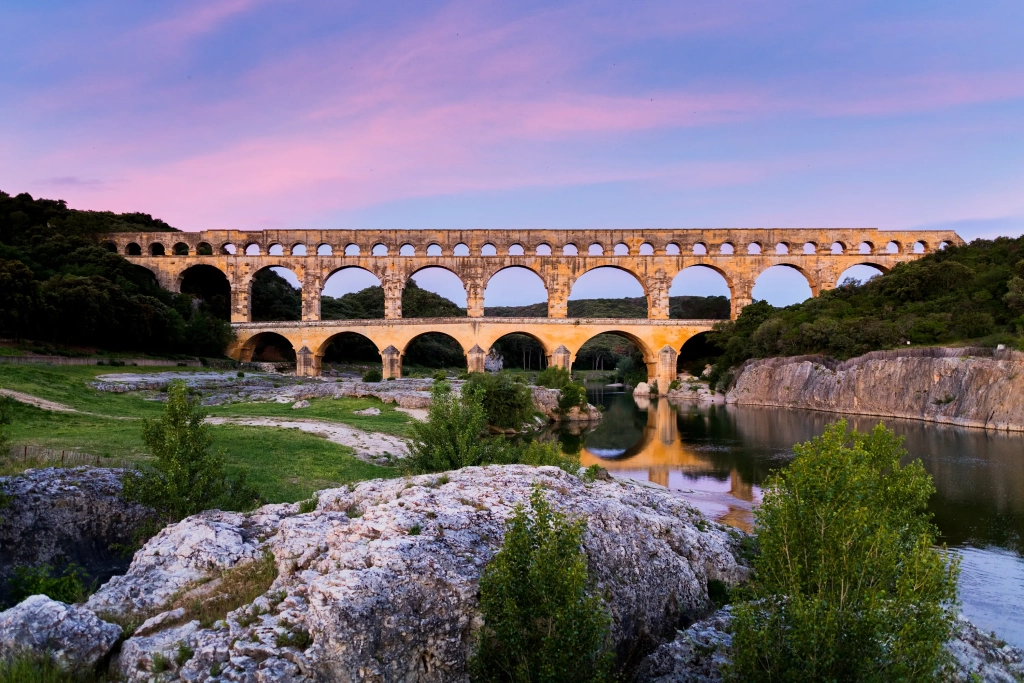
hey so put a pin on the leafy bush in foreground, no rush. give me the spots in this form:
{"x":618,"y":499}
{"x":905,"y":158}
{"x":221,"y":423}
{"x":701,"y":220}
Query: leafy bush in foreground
{"x":574,"y":395}
{"x":553,"y":377}
{"x":187,"y":477}
{"x":507,"y":404}
{"x":373,"y":375}
{"x":542,"y":621}
{"x":848,"y":585}
{"x":67,"y":586}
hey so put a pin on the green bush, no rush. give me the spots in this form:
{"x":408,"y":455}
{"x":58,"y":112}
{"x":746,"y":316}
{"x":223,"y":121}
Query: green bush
{"x":440,"y":376}
{"x":6,"y":417}
{"x":67,"y":586}
{"x":848,"y":585}
{"x":373,"y":375}
{"x":542,"y":620}
{"x":451,"y":437}
{"x":186,"y":478}
{"x":507,"y":404}
{"x":537,"y":454}
{"x":553,"y":377}
{"x":573,"y":395}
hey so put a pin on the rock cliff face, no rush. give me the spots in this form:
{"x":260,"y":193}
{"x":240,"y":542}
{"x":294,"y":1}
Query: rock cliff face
{"x":55,"y":516}
{"x":380,"y":583}
{"x":967,"y":391}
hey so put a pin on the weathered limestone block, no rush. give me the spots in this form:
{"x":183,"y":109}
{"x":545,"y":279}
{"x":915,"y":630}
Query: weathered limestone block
{"x":74,"y":636}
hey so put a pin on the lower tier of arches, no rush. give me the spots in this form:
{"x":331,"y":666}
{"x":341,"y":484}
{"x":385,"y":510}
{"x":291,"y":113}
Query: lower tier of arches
{"x":560,"y":338}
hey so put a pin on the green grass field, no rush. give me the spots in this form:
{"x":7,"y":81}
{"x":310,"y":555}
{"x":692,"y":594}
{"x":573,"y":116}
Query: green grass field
{"x":285,"y":464}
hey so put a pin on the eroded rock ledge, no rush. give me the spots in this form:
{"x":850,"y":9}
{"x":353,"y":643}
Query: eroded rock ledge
{"x":919,"y":384}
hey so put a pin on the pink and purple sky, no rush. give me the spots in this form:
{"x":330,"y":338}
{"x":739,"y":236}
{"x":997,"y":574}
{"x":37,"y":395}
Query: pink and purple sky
{"x":257,"y":114}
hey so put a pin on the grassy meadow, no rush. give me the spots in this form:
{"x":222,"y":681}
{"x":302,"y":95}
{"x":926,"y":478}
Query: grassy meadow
{"x":285,"y":464}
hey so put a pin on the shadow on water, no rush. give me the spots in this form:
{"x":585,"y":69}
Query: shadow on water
{"x":718,"y":456}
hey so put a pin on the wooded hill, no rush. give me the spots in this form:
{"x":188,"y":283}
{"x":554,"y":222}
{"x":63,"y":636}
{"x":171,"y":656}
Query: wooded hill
{"x":971,"y":293}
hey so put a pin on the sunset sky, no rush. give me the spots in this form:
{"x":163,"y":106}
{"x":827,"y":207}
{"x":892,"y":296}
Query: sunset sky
{"x":248,"y":114}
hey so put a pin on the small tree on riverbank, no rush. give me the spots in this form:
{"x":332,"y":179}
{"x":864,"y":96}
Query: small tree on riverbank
{"x":848,"y":585}
{"x":187,"y":477}
{"x":542,"y":620}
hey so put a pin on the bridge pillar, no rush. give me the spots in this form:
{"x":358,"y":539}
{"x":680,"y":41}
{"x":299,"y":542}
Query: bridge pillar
{"x":560,"y":358}
{"x":666,"y":368}
{"x":311,"y":287}
{"x":657,"y":296}
{"x":475,"y":359}
{"x":558,"y":295}
{"x":474,"y":299}
{"x":240,"y":304}
{"x":392,"y":358}
{"x":304,"y":363}
{"x":393,"y":285}
{"x":742,"y":295}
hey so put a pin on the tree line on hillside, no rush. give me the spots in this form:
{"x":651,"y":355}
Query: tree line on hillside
{"x":971,"y":293}
{"x":57,"y":284}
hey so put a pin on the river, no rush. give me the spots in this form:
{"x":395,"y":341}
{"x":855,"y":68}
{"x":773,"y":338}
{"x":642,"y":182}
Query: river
{"x":717,"y":457}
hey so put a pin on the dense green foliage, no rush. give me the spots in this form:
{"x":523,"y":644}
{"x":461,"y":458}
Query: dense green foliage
{"x":58,"y":284}
{"x":680,"y":308}
{"x":573,"y":395}
{"x":519,"y":351}
{"x":6,"y":417}
{"x":274,"y":298}
{"x":66,"y":586}
{"x":373,"y":375}
{"x":542,"y":619}
{"x":187,"y":477}
{"x":39,"y":667}
{"x":848,"y":585}
{"x":553,"y":377}
{"x":506,"y":400}
{"x":972,"y":292}
{"x":368,"y":304}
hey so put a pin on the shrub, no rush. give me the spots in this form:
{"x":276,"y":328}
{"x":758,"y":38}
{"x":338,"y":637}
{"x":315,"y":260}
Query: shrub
{"x":186,"y":477}
{"x":6,"y":417}
{"x":848,"y":584}
{"x":451,"y":436}
{"x":373,"y":375}
{"x":542,"y":621}
{"x":553,"y":377}
{"x":440,"y":376}
{"x":537,"y":454}
{"x":573,"y":395}
{"x":35,"y":667}
{"x":68,"y":586}
{"x":507,"y":404}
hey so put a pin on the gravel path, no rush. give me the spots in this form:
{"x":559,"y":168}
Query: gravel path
{"x":369,"y":446}
{"x":37,"y":402}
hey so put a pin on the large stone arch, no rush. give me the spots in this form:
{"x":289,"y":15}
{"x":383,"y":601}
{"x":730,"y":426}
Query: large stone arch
{"x":638,"y":342}
{"x":813,"y":282}
{"x":509,"y":267}
{"x":298,"y":271}
{"x":610,"y":263}
{"x":249,"y":346}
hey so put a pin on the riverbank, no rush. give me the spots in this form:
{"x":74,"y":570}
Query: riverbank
{"x":946,"y":386}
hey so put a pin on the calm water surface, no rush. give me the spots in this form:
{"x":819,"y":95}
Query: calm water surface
{"x":717,"y":457}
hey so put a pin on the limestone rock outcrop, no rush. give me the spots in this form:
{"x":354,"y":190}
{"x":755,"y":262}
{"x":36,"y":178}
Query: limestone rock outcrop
{"x":75,"y":637}
{"x":961,"y":390}
{"x":546,"y":401}
{"x":380,"y":582}
{"x":698,"y":655}
{"x":57,"y":516}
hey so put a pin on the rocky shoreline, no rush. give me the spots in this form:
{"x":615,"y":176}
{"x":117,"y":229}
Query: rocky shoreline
{"x":934,"y":385}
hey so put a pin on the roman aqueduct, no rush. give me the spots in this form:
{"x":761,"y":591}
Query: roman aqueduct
{"x":558,"y":257}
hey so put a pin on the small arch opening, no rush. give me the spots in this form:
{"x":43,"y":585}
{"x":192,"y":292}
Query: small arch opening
{"x":516,"y":250}
{"x":647,"y":249}
{"x":543,"y":250}
{"x":352,"y":250}
{"x":837,"y":248}
{"x":156,"y":249}
{"x":406,"y":250}
{"x":920,"y":247}
{"x":700,"y":249}
{"x":570,"y":250}
{"x":488,"y":250}
{"x":252,"y":249}
{"x":133,"y":249}
{"x":204,"y":249}
{"x":672,"y":249}
{"x":943,"y":244}
{"x":434,"y":250}
{"x":460,"y":250}
{"x":180,"y":249}
{"x":229,"y":249}
{"x":324,"y":250}
{"x":379,"y":250}
{"x":276,"y":250}
{"x":727,"y":248}
{"x":621,"y":249}
{"x":810,"y":248}
{"x":781,"y":248}
{"x":111,"y":247}
{"x":893,"y":247}
{"x":298,"y":249}
{"x":595,"y":249}
{"x":865,"y":248}
{"x":753,"y":248}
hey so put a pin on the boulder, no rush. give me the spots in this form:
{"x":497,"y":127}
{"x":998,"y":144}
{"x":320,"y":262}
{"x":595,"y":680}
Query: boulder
{"x":75,"y":637}
{"x":58,"y":516}
{"x":367,"y":411}
{"x":300,"y":404}
{"x":546,"y":401}
{"x":642,"y":389}
{"x":380,"y":583}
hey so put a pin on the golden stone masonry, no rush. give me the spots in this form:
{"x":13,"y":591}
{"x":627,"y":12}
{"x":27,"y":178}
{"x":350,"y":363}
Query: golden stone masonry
{"x":559,"y":257}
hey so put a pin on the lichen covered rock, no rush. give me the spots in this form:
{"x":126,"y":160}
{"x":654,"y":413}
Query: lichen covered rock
{"x":380,"y":583}
{"x":75,"y":637}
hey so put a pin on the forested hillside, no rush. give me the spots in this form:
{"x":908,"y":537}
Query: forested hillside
{"x":680,"y":308}
{"x":58,"y":285}
{"x":972,"y":293}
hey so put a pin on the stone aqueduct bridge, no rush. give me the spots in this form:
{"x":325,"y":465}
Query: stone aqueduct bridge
{"x":559,"y":257}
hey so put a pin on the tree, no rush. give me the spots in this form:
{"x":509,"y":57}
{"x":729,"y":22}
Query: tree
{"x":542,"y":618}
{"x":451,"y":437}
{"x":19,"y":297}
{"x":848,"y":585}
{"x":187,"y":477}
{"x":507,"y":404}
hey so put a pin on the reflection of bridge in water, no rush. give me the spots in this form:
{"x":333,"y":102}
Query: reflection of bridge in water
{"x":557,"y":257}
{"x":661,"y":452}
